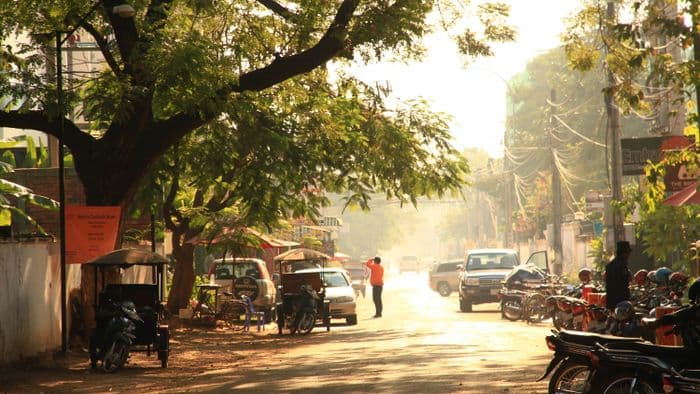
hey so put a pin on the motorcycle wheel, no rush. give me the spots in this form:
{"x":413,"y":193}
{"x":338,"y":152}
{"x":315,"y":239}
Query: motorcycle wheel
{"x":115,"y":357}
{"x":306,"y":323}
{"x":92,"y":346}
{"x":569,"y":377}
{"x":512,"y":310}
{"x":536,"y":308}
{"x":561,"y":323}
{"x":557,"y":321}
{"x":622,"y":383}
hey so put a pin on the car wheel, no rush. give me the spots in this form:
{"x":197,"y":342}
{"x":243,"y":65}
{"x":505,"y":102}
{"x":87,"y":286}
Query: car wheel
{"x":465,"y":305}
{"x":351,"y":320}
{"x":444,"y":289}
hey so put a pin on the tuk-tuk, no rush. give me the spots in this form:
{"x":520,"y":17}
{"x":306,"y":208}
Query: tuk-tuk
{"x":296,"y":288}
{"x":150,"y":335}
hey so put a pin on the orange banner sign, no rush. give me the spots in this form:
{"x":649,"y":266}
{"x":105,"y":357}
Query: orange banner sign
{"x":90,"y":232}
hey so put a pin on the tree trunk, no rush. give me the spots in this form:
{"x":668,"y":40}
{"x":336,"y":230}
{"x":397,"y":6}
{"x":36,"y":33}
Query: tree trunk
{"x":183,"y":277}
{"x":87,"y":290}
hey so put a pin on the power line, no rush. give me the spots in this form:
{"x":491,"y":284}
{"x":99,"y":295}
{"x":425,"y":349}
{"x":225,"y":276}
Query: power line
{"x":583,"y":137}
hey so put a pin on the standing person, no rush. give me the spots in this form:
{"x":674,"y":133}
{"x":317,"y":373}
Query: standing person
{"x":376,"y":279}
{"x":617,"y":276}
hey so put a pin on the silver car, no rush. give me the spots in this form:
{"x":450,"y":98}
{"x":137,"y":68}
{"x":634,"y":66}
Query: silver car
{"x":339,"y":292}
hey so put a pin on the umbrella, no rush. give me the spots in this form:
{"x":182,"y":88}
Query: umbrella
{"x":301,"y":254}
{"x":129,"y":256}
{"x":686,"y":196}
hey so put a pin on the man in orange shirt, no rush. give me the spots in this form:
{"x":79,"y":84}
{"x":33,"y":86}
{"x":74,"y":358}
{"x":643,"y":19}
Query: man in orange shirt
{"x":376,"y":279}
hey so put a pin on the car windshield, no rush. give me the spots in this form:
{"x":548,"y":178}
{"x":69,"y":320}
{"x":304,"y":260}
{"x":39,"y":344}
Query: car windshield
{"x":486,"y":261}
{"x":334,"y":279}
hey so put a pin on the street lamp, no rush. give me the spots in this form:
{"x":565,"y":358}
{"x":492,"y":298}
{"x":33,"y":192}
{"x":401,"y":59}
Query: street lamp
{"x":123,"y":11}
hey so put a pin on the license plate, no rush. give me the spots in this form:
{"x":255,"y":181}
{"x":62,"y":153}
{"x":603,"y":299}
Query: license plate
{"x":495,"y":291}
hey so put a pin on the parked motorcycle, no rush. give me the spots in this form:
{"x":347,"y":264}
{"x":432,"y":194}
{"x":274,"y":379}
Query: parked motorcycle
{"x":570,"y":365}
{"x":642,"y":367}
{"x":112,"y":344}
{"x":523,"y":294}
{"x":513,"y":304}
{"x":300,"y":310}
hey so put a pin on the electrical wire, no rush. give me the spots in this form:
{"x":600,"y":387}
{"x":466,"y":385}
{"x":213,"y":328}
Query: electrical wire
{"x":576,"y":133}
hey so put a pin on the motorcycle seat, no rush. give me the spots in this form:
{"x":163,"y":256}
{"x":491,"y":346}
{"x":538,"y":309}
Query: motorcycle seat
{"x":591,"y":338}
{"x":650,"y":349}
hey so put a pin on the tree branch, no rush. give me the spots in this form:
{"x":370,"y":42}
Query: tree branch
{"x":73,"y":137}
{"x":165,"y":133}
{"x":283,"y":68}
{"x":168,"y":212}
{"x":126,"y":35}
{"x":104,"y":48}
{"x":278,"y":9}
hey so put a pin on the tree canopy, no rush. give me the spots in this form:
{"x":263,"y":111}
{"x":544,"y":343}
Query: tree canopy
{"x":179,"y":64}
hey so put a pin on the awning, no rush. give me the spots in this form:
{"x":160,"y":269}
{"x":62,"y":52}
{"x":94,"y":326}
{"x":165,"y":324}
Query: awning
{"x":267,"y":241}
{"x":341,"y":256}
{"x":301,"y":254}
{"x":271,"y":242}
{"x":686,"y":196}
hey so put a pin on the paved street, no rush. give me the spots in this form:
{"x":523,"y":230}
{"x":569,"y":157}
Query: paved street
{"x":422,"y":344}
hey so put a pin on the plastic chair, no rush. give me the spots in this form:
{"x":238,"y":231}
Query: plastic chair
{"x":250,"y":311}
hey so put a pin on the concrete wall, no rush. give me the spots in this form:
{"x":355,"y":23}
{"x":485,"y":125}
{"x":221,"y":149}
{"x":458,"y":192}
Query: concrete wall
{"x":30,"y":310}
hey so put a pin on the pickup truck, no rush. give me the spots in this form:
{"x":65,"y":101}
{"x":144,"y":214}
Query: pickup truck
{"x":481,"y":278}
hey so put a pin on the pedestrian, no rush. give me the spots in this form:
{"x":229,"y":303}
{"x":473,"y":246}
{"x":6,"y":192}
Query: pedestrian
{"x":617,"y":276}
{"x":376,"y":279}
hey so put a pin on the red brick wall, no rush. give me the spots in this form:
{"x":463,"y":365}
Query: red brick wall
{"x":44,"y":181}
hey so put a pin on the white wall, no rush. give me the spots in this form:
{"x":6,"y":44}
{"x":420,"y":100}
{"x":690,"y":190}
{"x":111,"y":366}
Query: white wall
{"x":30,"y":310}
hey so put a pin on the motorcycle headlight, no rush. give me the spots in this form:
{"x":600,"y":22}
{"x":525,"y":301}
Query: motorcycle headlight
{"x":342,"y":299}
{"x":472,"y":281}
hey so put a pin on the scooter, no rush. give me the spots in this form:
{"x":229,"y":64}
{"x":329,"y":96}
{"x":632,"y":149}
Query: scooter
{"x":306,"y":310}
{"x":113,"y":345}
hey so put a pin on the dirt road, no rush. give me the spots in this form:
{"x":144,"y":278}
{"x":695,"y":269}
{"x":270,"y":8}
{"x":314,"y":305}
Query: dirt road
{"x":422,"y":344}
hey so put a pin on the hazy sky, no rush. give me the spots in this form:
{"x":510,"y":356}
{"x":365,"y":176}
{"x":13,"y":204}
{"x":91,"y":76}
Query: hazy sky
{"x":474,"y":95}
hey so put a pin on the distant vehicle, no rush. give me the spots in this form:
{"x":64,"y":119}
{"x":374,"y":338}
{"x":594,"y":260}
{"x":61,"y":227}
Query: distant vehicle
{"x":444,"y":277}
{"x":358,"y":276}
{"x":409,"y":264}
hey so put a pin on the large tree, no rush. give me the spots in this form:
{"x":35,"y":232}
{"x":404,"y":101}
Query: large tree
{"x":179,"y":64}
{"x":269,"y":160}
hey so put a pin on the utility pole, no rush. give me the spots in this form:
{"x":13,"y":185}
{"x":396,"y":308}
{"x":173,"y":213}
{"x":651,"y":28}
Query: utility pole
{"x":507,"y":205}
{"x":695,"y":18}
{"x":556,"y":191}
{"x":615,"y":133}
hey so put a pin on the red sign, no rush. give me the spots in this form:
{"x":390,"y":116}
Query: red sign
{"x":90,"y":232}
{"x":677,"y":177}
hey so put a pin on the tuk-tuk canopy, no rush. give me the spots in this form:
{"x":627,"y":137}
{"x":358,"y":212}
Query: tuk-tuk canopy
{"x":129,"y":256}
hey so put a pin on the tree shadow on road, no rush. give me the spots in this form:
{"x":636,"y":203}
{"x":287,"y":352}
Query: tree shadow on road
{"x":347,"y":361}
